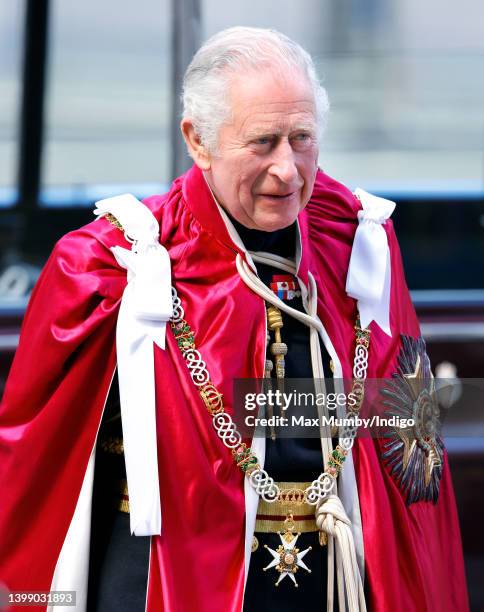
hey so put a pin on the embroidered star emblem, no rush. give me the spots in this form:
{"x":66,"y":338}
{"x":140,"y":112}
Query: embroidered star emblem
{"x":287,"y":558}
{"x":424,"y":409}
{"x":415,"y":454}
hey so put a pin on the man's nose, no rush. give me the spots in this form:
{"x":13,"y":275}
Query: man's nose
{"x":283,"y":164}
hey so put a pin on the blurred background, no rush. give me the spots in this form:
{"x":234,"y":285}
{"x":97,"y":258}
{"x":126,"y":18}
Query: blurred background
{"x":89,"y":108}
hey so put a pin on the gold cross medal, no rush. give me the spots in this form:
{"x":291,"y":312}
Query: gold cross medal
{"x":287,"y":558}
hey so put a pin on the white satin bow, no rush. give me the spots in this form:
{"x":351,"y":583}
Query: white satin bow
{"x":146,"y":306}
{"x":369,"y":272}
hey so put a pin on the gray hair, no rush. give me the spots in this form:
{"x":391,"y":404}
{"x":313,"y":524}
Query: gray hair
{"x":205,"y":85}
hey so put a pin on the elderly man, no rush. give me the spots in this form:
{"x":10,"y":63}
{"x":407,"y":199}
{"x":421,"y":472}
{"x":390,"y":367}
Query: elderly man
{"x":255,"y":265}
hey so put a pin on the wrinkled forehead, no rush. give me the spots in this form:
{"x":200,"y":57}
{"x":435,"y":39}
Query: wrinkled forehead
{"x":282,"y":125}
{"x":270,"y":101}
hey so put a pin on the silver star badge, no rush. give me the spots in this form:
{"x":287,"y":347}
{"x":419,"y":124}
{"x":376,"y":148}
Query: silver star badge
{"x":287,"y":558}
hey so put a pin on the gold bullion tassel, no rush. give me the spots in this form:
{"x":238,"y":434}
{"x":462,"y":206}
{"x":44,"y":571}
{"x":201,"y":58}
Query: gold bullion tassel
{"x":269,"y":366}
{"x":278,"y":348}
{"x":255,"y":544}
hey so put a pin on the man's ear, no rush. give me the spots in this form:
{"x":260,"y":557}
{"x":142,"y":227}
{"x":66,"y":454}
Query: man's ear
{"x":196,"y":150}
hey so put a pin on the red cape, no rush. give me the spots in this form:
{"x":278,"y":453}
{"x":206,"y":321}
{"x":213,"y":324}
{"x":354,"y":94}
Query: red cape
{"x":62,"y":371}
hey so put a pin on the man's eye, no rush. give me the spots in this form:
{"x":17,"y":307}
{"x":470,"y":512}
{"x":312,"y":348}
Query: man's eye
{"x":262,"y":141}
{"x":303,"y":140}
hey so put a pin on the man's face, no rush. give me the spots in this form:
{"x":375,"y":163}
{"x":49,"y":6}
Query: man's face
{"x":264,"y":170}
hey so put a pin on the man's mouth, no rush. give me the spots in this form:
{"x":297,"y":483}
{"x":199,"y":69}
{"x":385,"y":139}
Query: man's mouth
{"x":278,"y":196}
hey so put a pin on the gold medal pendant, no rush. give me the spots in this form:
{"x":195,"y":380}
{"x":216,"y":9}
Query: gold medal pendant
{"x":287,"y":558}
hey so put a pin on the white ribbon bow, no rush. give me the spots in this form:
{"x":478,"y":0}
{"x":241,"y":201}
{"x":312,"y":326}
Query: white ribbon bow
{"x":146,"y":306}
{"x":369,"y":272}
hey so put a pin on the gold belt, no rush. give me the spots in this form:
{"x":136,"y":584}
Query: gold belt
{"x":123,"y":505}
{"x":271,"y":516}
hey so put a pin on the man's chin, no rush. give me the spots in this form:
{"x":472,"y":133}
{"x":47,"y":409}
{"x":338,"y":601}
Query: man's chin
{"x":274,"y":223}
{"x":270,"y":218}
